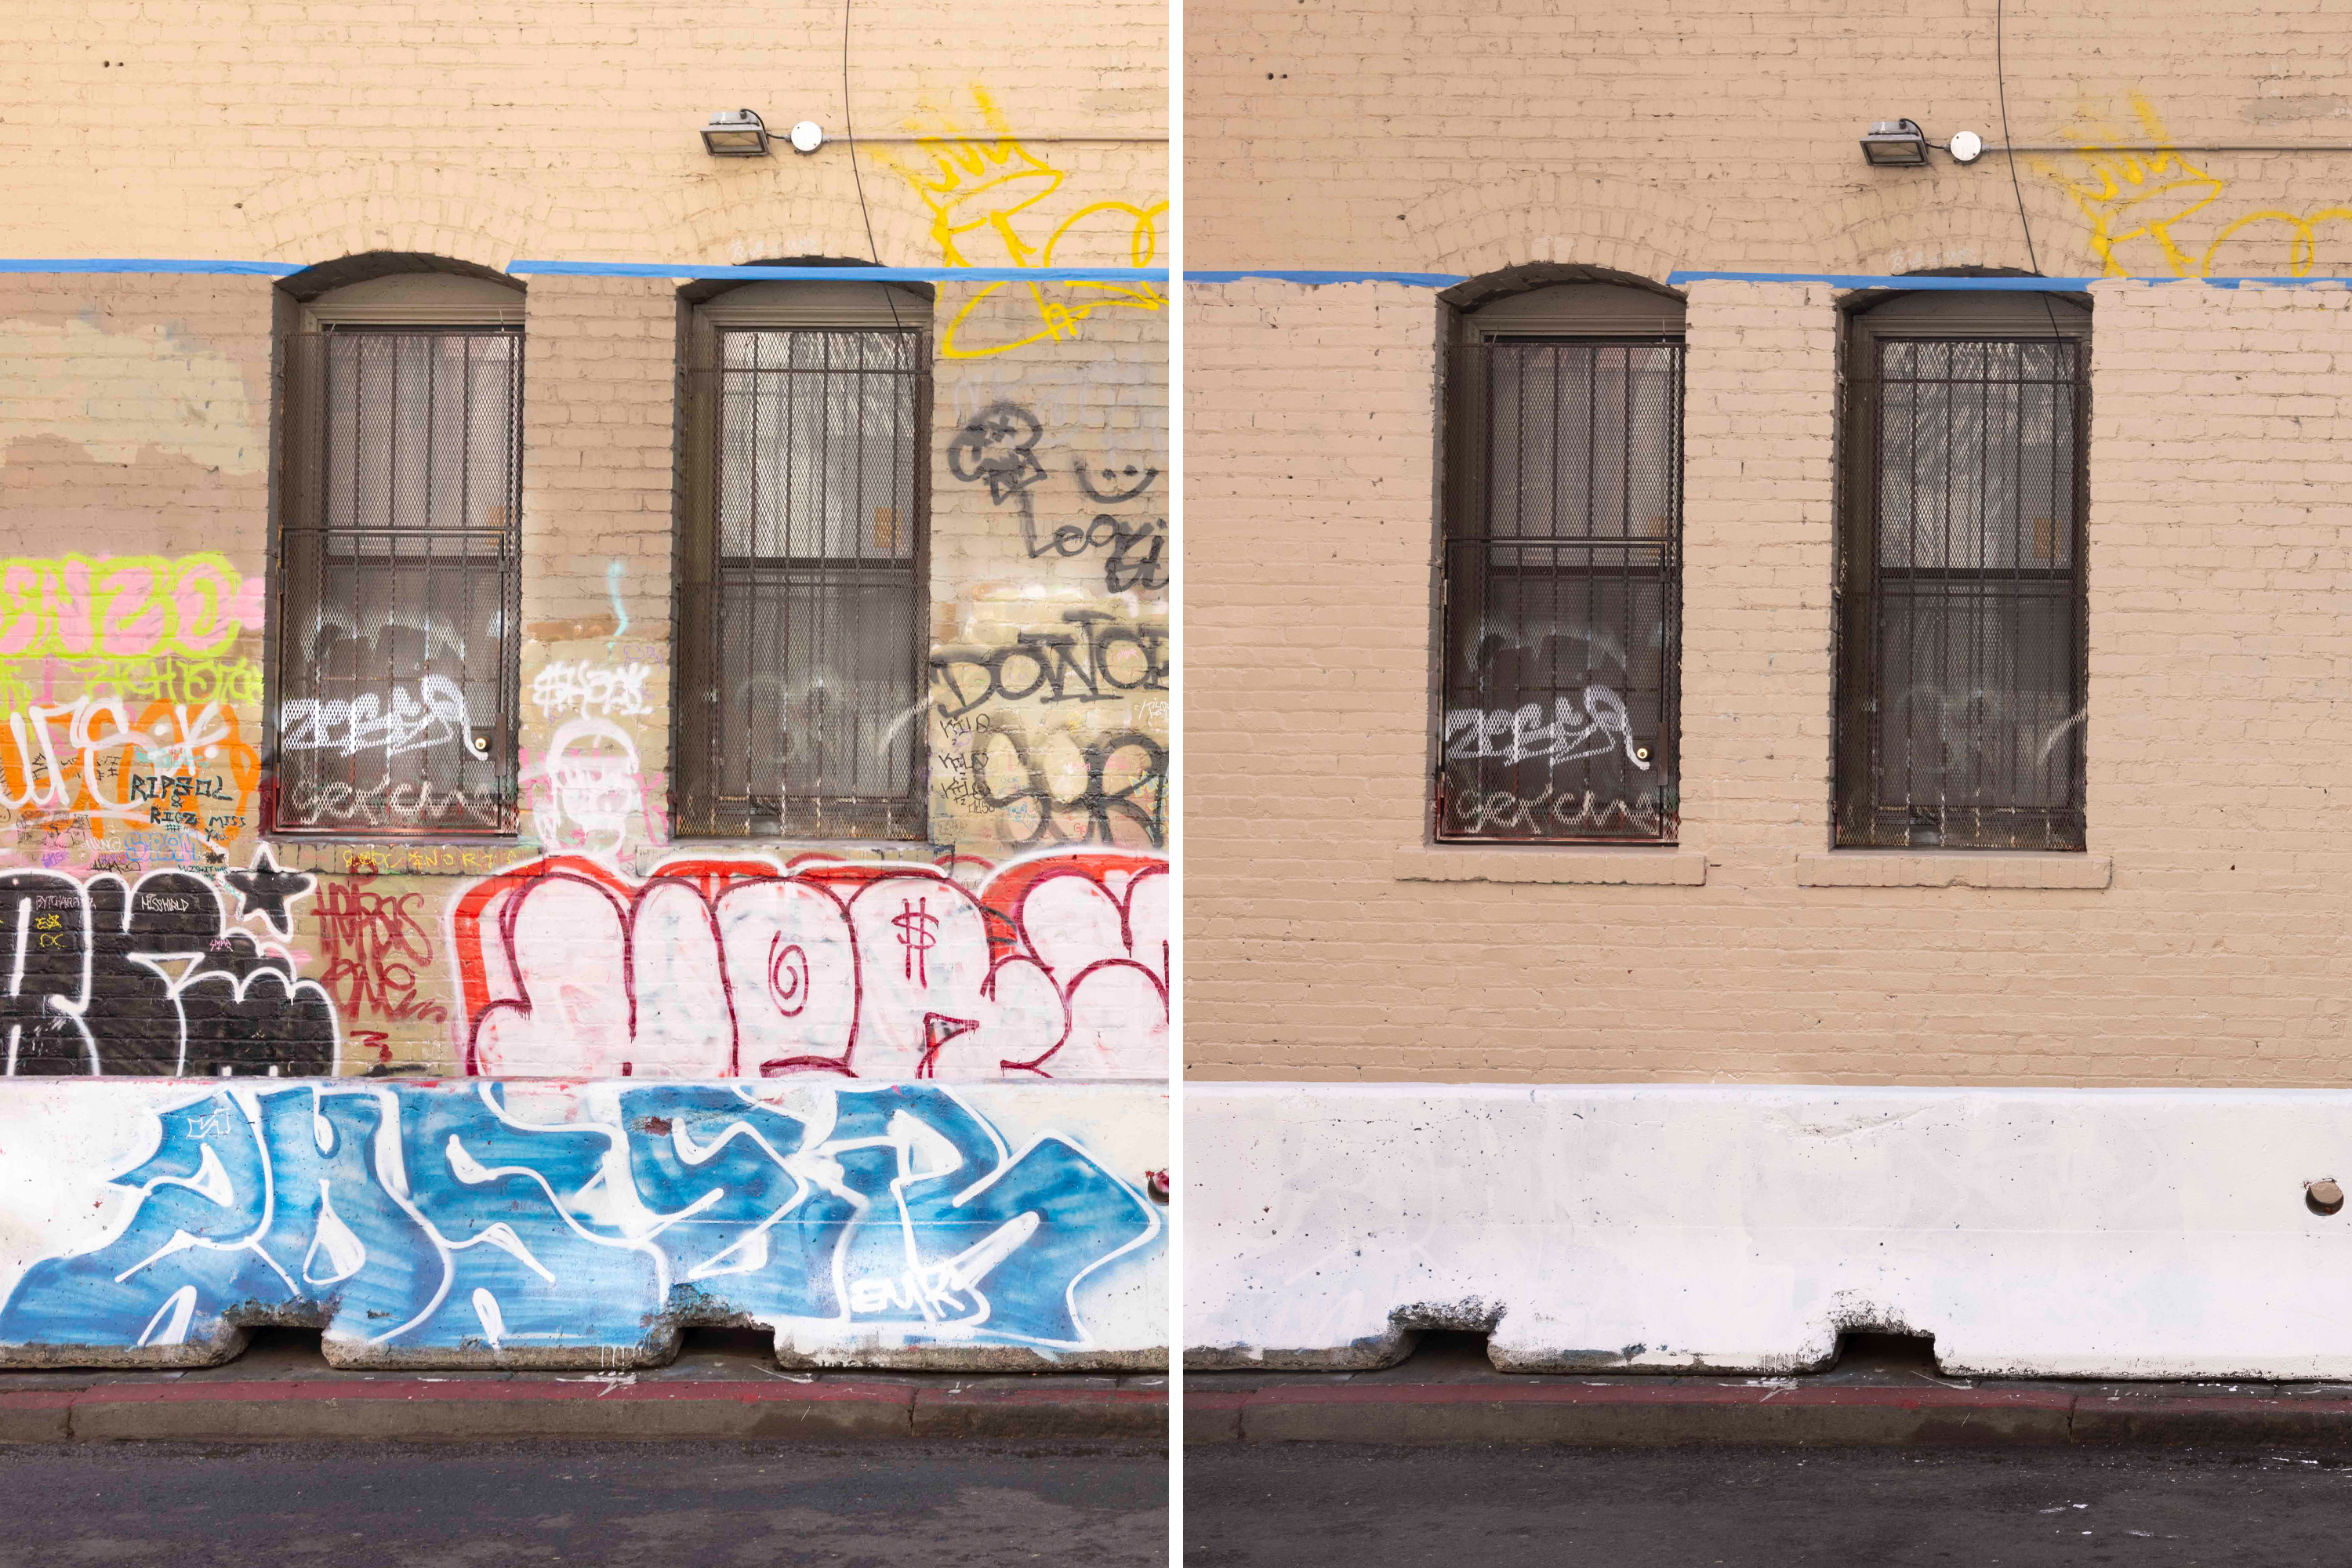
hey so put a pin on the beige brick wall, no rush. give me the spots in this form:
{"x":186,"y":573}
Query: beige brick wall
{"x":1459,"y":137}
{"x":2217,"y":723}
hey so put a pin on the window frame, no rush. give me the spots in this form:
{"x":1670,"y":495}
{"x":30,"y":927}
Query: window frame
{"x":1600,"y":313}
{"x":1950,"y":316}
{"x":784,"y":305}
{"x":417,"y":301}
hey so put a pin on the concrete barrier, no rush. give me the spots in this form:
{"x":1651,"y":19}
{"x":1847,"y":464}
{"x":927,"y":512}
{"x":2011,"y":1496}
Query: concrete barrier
{"x":2047,"y":1232}
{"x":552,"y":1223}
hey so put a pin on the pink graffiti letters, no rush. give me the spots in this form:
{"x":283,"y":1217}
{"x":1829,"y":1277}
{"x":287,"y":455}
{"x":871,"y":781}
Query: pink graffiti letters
{"x":1055,"y":967}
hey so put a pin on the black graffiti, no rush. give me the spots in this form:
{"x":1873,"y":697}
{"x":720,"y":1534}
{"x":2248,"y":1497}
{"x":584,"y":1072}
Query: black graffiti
{"x":1105,"y":658}
{"x":1138,"y":558}
{"x":996,"y":447}
{"x":148,"y":979}
{"x":1111,"y":493}
{"x":1141,"y":802}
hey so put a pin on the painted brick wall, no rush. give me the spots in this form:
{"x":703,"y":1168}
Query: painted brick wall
{"x":2217,"y":723}
{"x":136,"y":422}
{"x":1463,"y":137}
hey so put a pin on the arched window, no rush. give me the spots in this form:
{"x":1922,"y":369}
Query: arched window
{"x":802,"y":565}
{"x":1562,"y":569}
{"x":399,"y":518}
{"x":1960,"y":595}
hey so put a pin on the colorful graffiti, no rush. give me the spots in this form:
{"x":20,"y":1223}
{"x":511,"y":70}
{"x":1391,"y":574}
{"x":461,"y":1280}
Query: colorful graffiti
{"x":455,"y":1222}
{"x":154,"y":979}
{"x":2151,"y":212}
{"x":1055,"y":966}
{"x":990,"y":197}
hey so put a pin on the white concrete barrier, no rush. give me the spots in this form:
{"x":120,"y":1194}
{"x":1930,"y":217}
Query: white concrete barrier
{"x":2107,"y":1233}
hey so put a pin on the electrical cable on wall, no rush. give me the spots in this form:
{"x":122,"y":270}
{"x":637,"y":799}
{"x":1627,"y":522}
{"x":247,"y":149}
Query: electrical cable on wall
{"x":849,"y":130}
{"x":2001,"y":87}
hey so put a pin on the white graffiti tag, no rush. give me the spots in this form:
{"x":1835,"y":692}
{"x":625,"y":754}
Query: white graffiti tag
{"x":435,"y":716}
{"x":567,"y":686}
{"x":1520,"y":735}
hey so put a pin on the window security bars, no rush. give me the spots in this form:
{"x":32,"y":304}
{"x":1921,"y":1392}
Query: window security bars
{"x":801,"y":705}
{"x":1562,"y":583}
{"x":397,"y":582}
{"x":1962,"y":623}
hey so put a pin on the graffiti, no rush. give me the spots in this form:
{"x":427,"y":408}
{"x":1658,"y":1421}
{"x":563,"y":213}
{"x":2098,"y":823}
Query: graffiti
{"x":411,"y":1219}
{"x":126,"y":606}
{"x":1516,"y":735}
{"x":1116,"y":784}
{"x":1547,"y":812}
{"x":1105,"y":658}
{"x":586,"y":788}
{"x":2148,"y":210}
{"x":173,"y":767}
{"x":567,"y":688}
{"x":434,"y":716}
{"x":375,"y":950}
{"x":996,"y":448}
{"x":149,"y":978}
{"x":309,"y":803}
{"x":1054,"y":966}
{"x":991,"y":191}
{"x":263,"y":890}
{"x":1976,"y":734}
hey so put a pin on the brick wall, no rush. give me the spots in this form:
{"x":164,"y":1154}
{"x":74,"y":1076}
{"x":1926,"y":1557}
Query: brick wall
{"x":2214,"y":954}
{"x":136,"y":429}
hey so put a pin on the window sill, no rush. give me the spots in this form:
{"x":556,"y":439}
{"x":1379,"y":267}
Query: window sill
{"x":1592,"y":865}
{"x":1954,"y":868}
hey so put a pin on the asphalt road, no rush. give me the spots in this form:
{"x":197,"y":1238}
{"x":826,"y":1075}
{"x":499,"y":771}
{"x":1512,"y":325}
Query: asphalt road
{"x":1307,"y":1506}
{"x":682,"y":1505}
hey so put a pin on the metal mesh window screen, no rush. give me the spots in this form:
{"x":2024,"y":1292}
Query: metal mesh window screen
{"x":396,"y":582}
{"x":803,"y":627}
{"x":1962,"y":606}
{"x":1562,"y":592}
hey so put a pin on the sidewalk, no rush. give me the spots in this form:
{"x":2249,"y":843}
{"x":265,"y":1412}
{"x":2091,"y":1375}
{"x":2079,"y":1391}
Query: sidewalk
{"x":281,"y":1389}
{"x":1447,"y":1393}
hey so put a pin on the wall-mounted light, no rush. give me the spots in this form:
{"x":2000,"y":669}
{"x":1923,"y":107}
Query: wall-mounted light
{"x":1891,"y":144}
{"x":735,"y":133}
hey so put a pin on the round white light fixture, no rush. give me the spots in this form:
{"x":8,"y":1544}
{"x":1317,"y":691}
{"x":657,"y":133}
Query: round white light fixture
{"x":807,"y":136}
{"x":1966,"y":146}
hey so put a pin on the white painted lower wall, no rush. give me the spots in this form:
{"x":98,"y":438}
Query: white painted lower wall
{"x":2107,"y":1233}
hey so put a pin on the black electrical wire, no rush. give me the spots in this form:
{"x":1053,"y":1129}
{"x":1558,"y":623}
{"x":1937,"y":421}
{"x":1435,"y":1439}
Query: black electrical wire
{"x":849,"y":129}
{"x":2001,"y":87}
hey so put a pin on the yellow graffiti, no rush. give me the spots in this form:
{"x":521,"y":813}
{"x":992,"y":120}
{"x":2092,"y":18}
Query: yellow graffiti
{"x":987,"y":194}
{"x":2134,"y":200}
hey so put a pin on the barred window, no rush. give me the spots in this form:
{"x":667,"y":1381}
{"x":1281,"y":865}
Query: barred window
{"x":1562,"y":570}
{"x":1961,"y":597}
{"x":799,"y":708}
{"x":397,"y":551}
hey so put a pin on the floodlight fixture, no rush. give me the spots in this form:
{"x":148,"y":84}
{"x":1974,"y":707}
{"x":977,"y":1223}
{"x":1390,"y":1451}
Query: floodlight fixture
{"x":1891,"y":144}
{"x":735,"y":133}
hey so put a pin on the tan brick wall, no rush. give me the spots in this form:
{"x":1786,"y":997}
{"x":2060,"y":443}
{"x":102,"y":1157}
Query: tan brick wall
{"x":2218,"y":575}
{"x":1463,"y":137}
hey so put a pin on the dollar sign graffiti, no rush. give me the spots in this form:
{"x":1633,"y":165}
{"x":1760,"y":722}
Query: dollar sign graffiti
{"x":918,"y":929}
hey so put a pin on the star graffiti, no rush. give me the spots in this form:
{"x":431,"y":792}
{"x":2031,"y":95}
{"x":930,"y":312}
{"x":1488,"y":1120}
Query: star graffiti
{"x":264,"y":890}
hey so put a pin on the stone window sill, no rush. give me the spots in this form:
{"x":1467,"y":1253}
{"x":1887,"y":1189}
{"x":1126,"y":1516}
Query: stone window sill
{"x":1659,"y":867}
{"x":1954,"y":868}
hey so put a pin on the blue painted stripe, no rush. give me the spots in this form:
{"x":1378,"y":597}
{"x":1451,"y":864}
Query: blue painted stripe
{"x":1896,"y":280}
{"x":122,"y":264}
{"x":1292,"y":275}
{"x":847,"y":274}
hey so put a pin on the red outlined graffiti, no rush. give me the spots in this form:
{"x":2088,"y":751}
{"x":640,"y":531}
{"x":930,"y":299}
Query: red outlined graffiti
{"x":1054,"y":966}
